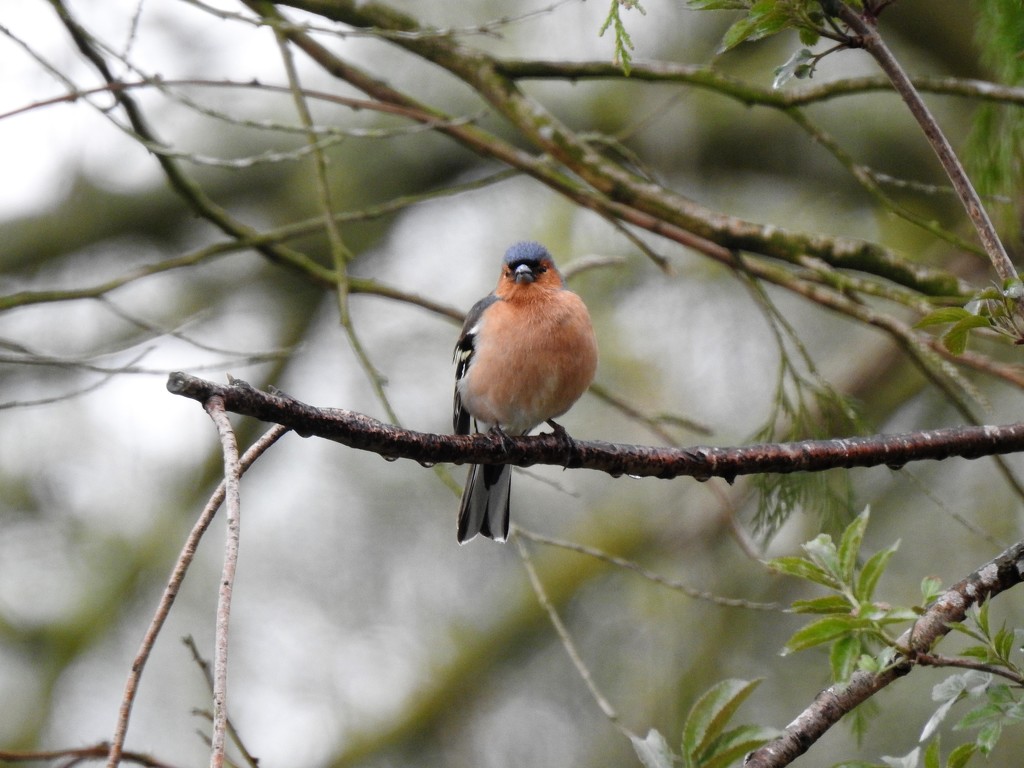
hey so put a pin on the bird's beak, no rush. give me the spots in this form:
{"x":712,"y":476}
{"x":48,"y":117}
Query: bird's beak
{"x":524,"y":274}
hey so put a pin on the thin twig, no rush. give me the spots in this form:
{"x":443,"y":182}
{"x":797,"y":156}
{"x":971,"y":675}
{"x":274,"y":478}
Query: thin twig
{"x":655,"y":423}
{"x":711,"y":79}
{"x":874,"y":44}
{"x":75,"y":755}
{"x":185,"y":186}
{"x":567,"y":642}
{"x":181,"y":566}
{"x":870,"y":183}
{"x":204,"y":667}
{"x":635,"y":567}
{"x":936,"y":660}
{"x":232,"y":473}
{"x":340,"y":253}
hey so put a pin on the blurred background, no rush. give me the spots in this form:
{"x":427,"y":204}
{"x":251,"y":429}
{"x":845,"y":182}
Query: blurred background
{"x":362,"y":634}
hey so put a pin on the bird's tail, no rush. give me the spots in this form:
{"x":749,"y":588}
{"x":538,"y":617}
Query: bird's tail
{"x":485,"y":501}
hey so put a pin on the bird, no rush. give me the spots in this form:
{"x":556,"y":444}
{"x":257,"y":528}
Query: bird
{"x":526,"y":353}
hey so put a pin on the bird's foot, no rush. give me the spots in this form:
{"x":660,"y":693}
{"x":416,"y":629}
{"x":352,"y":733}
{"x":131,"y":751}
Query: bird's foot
{"x":568,"y":444}
{"x":506,"y":441}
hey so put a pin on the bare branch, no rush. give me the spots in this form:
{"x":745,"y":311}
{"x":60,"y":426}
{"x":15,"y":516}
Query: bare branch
{"x":568,"y":643}
{"x":232,"y":474}
{"x":646,"y":573}
{"x":204,"y":667}
{"x":75,"y":755}
{"x":701,"y":462}
{"x":114,"y":750}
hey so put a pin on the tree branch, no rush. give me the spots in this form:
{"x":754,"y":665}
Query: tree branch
{"x":700,"y":462}
{"x":232,"y":474}
{"x":865,"y":29}
{"x":185,"y":186}
{"x":618,"y":189}
{"x":996,"y":576}
{"x":710,"y":79}
{"x":76,"y":755}
{"x":115,"y":749}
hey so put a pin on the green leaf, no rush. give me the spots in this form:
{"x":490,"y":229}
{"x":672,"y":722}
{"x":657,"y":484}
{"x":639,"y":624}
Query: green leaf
{"x":955,"y":339}
{"x":829,"y":604}
{"x":978,"y":717}
{"x":623,"y":42}
{"x":849,"y":545}
{"x":1001,"y":696}
{"x":987,"y":294}
{"x":932,"y":758}
{"x":843,"y":657}
{"x":1003,"y":642}
{"x":735,"y":744}
{"x":872,"y":571}
{"x":981,"y":616}
{"x":653,"y":751}
{"x":943,"y":316}
{"x":869,"y":663}
{"x":889,"y":615}
{"x":823,"y":551}
{"x":959,"y":757}
{"x":824,"y":631}
{"x":803,"y":569}
{"x":931,"y":588}
{"x":766,"y":18}
{"x":982,"y":652}
{"x":987,"y":737}
{"x":710,"y":714}
{"x":808,"y":37}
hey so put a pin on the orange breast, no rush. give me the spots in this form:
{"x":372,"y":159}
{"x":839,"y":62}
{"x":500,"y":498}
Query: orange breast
{"x":533,"y":361}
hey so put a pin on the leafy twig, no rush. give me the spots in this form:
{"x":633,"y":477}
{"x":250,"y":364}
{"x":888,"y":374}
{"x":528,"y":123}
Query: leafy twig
{"x":623,"y":42}
{"x":998,"y":575}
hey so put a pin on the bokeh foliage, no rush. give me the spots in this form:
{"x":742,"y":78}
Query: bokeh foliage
{"x":362,"y":634}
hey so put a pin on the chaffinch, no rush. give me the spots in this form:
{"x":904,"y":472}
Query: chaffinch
{"x":525,"y":355}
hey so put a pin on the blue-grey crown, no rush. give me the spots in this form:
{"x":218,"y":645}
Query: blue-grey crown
{"x":526,"y":251}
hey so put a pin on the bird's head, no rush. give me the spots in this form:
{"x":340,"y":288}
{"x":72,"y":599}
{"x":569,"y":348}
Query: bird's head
{"x":528,"y":264}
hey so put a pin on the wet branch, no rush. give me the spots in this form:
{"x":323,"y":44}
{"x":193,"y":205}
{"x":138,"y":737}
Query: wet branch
{"x":362,"y":432}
